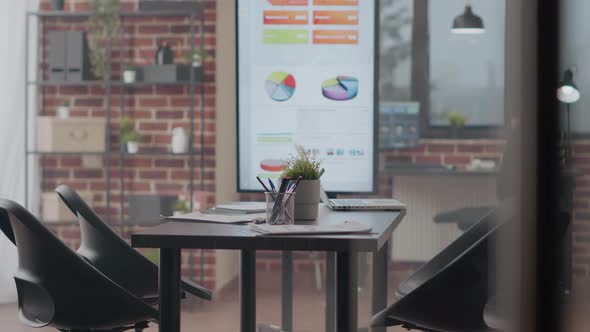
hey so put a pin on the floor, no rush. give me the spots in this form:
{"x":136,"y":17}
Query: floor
{"x":222,"y":313}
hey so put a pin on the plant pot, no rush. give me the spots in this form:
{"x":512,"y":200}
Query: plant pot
{"x":129,"y":76}
{"x":179,"y":142}
{"x":132,"y":147}
{"x":307,"y":200}
{"x":57,"y":5}
{"x":63,"y":112}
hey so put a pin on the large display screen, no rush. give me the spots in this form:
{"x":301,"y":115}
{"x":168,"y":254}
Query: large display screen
{"x":306,"y":75}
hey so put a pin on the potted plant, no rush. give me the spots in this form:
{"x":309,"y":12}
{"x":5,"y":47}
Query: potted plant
{"x":129,"y":136}
{"x":197,"y":57}
{"x":63,"y":111}
{"x":307,"y":195}
{"x":457,"y":121}
{"x":180,"y":207}
{"x":104,"y":25}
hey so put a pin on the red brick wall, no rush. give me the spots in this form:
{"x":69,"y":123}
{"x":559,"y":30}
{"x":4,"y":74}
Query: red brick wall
{"x":155,"y":110}
{"x":581,"y":223}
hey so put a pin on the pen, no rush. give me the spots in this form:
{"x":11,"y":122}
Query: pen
{"x":322,"y":172}
{"x":263,"y":185}
{"x":295,"y":184}
{"x":272,"y":185}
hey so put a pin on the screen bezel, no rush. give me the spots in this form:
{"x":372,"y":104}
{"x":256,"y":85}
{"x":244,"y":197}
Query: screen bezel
{"x":376,"y":44}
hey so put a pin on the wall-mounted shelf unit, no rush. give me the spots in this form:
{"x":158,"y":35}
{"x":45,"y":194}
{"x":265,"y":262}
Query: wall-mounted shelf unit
{"x":37,"y":83}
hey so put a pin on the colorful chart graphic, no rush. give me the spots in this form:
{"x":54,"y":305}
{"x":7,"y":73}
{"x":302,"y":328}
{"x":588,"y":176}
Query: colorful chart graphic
{"x":280,"y":86}
{"x":273,"y":165}
{"x":340,"y":88}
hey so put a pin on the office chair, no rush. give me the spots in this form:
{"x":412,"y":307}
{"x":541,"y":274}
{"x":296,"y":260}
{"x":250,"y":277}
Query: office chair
{"x":449,"y":293}
{"x":114,"y":257}
{"x":58,"y":288}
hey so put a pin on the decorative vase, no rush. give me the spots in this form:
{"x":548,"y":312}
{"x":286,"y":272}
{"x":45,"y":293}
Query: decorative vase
{"x":132,"y":147}
{"x":129,"y":76}
{"x":63,"y":112}
{"x":164,"y":55}
{"x":57,"y":5}
{"x":307,"y":200}
{"x":179,"y":140}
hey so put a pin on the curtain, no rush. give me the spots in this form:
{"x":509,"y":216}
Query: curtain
{"x":12,"y":122}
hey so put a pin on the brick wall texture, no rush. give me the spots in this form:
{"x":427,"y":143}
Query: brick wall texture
{"x":156,"y":110}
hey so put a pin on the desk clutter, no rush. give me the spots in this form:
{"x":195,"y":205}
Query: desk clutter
{"x":347,"y":227}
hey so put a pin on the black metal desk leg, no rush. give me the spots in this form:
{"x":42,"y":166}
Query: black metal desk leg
{"x":169,"y":290}
{"x":248,"y":291}
{"x":346,"y":291}
{"x":330,"y":291}
{"x":287,"y":292}
{"x":380,"y":261}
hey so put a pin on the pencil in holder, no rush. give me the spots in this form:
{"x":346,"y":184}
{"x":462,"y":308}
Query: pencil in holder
{"x":280,"y":208}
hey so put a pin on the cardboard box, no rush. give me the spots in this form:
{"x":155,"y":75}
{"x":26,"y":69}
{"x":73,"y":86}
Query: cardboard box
{"x":169,"y":73}
{"x":70,"y":135}
{"x":53,"y":209}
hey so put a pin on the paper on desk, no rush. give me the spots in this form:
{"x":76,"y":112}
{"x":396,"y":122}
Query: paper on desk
{"x":346,"y":227}
{"x":220,"y":218}
{"x":243,"y":207}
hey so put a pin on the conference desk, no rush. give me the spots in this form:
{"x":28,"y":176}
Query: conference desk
{"x":341,"y":311}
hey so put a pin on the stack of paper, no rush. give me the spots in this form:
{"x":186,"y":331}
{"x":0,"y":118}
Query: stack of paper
{"x":220,"y":218}
{"x":242,"y":207}
{"x":346,"y":227}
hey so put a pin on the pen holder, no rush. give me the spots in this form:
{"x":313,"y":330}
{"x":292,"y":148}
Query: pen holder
{"x":280,"y":208}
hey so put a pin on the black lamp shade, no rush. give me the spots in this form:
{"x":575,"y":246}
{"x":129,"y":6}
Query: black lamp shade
{"x":468,"y":23}
{"x":567,"y":91}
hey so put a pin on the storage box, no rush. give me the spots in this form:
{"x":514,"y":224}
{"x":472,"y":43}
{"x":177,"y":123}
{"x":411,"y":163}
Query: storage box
{"x":54,"y":210}
{"x":176,"y":5}
{"x":169,"y":73}
{"x":70,"y":135}
{"x":147,"y":209}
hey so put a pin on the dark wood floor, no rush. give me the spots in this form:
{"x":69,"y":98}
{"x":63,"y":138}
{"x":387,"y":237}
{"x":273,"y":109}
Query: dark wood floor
{"x":222,"y":313}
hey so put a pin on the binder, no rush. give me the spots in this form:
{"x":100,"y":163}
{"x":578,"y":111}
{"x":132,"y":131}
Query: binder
{"x":77,"y":62}
{"x":57,"y":55}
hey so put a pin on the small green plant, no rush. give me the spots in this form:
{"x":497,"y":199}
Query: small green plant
{"x":198,"y":56}
{"x":456,"y":119}
{"x":180,"y":206}
{"x":127,"y":131}
{"x":304,"y":164}
{"x":104,"y":25}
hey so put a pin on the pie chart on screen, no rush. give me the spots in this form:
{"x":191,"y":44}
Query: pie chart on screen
{"x":340,"y":88}
{"x":280,"y":86}
{"x":273,"y":165}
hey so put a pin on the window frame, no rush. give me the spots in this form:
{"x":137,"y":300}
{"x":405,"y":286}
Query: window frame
{"x":420,"y":85}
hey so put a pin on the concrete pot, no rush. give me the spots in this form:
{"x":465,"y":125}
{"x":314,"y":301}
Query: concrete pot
{"x":307,"y":200}
{"x":132,"y":147}
{"x":57,"y":5}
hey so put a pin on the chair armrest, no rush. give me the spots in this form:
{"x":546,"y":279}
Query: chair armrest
{"x":196,"y":290}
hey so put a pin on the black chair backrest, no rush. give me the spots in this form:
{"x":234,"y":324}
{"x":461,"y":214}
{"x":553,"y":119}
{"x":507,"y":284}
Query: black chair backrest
{"x":108,"y":252}
{"x":57,"y":287}
{"x":449,"y":292}
{"x":5,"y":226}
{"x":466,"y":240}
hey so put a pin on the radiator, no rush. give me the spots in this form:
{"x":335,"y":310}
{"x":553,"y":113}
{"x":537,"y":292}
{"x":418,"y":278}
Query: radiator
{"x":418,"y":238}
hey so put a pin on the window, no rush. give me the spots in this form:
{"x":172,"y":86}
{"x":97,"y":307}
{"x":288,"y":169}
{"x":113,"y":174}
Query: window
{"x":422,"y":61}
{"x":466,"y":70}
